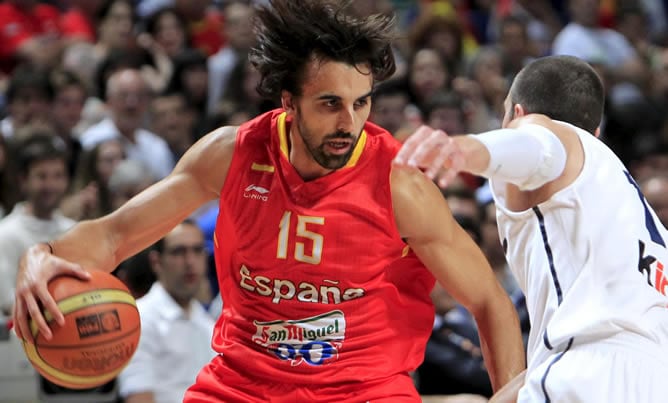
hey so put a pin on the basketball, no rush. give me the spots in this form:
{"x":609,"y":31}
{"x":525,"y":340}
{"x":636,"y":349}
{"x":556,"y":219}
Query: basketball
{"x":99,"y":337}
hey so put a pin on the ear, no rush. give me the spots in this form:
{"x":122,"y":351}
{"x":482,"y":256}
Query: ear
{"x":287,"y":102}
{"x":154,"y":262}
{"x":597,"y":133}
{"x":518,"y":111}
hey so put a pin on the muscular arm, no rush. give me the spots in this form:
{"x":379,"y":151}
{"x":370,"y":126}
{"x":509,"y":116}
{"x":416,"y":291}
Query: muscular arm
{"x":198,"y":177}
{"x":103,"y":243}
{"x":424,"y":219}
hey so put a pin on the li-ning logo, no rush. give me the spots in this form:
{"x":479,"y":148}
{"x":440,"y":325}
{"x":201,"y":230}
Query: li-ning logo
{"x":256,"y":192}
{"x":99,"y":323}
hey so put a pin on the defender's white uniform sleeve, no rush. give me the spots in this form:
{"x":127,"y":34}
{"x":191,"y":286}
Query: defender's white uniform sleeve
{"x":528,"y":157}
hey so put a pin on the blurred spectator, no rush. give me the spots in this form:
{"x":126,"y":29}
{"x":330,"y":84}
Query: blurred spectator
{"x":205,"y":24}
{"x":69,"y":96}
{"x":43,"y":179}
{"x":127,"y":99}
{"x":388,"y":109}
{"x":30,"y":33}
{"x":89,"y":196}
{"x":655,"y":189}
{"x":176,"y":330}
{"x":442,"y":34}
{"x":584,"y":38}
{"x":241,"y":94}
{"x":172,"y":120}
{"x":516,"y":47}
{"x":649,"y":156}
{"x":79,"y":21}
{"x":8,"y":180}
{"x":428,"y":74}
{"x":190,"y":78}
{"x":238,"y":31}
{"x":445,"y":111}
{"x":168,"y":30}
{"x":116,"y":20}
{"x":128,"y":178}
{"x":486,"y":69}
{"x":136,"y":273}
{"x":29,"y":96}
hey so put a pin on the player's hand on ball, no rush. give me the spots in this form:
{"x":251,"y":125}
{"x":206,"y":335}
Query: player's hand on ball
{"x":433,"y":151}
{"x":36,"y":268}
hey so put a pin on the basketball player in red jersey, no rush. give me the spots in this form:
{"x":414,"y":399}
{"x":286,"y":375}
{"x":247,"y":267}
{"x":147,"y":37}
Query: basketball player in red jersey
{"x":326,"y":254}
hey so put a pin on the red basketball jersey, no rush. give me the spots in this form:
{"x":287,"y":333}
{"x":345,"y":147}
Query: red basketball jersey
{"x":317,"y":285}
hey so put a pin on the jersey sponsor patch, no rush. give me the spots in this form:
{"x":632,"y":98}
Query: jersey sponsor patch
{"x":315,"y":340}
{"x":652,"y":268}
{"x":256,"y":192}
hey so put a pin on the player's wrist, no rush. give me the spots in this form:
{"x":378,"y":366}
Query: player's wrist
{"x":46,"y":247}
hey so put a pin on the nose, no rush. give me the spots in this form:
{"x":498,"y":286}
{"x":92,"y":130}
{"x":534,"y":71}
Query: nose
{"x":346,"y":120}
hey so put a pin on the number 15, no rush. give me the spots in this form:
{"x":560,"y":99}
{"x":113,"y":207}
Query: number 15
{"x":300,"y":252}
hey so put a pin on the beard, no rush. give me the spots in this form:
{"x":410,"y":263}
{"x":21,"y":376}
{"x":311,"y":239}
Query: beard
{"x":320,"y":155}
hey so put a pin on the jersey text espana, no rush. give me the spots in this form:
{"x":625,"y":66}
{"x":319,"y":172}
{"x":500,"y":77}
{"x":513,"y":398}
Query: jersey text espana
{"x":316,"y":282}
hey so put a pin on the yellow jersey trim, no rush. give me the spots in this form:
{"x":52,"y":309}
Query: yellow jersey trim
{"x":283,"y":142}
{"x":262,"y":167}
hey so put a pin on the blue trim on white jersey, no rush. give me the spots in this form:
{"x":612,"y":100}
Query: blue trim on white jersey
{"x":553,"y":271}
{"x":654,"y":233}
{"x":547,"y":371}
{"x":548,"y":251}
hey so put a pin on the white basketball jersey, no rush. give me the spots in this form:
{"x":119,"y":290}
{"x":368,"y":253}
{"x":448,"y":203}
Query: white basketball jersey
{"x":590,"y":260}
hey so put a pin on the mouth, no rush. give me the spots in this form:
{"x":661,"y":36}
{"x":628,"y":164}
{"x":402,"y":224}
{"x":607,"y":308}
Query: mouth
{"x":338,"y":146}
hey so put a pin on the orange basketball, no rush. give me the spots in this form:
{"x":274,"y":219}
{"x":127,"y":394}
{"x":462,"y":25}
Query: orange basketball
{"x":100,"y":333}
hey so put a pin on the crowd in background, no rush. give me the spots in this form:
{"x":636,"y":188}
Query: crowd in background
{"x":100,"y":98}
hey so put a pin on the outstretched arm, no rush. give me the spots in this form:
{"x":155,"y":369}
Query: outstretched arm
{"x":424,"y":219}
{"x":103,"y":243}
{"x":527,"y":154}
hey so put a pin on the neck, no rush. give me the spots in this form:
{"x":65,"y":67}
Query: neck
{"x":184,"y":303}
{"x":30,"y":209}
{"x":127,"y":132}
{"x":301,"y":158}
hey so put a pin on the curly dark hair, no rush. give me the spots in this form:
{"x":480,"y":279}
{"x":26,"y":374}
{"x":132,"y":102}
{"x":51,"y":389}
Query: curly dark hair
{"x":292,"y":32}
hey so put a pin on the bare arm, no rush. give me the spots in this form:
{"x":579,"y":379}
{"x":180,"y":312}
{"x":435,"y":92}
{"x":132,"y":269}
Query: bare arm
{"x":424,"y":219}
{"x":145,"y":397}
{"x":508,"y":393}
{"x":103,"y":243}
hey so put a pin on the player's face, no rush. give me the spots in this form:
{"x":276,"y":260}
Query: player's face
{"x":330,"y":114}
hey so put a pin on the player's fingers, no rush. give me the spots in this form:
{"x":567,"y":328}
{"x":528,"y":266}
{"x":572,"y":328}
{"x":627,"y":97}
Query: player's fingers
{"x":50,"y":305}
{"x":438,"y":163}
{"x":408,"y":148}
{"x":37,"y":317}
{"x":19,"y":319}
{"x":423,"y":154}
{"x":71,"y":269}
{"x":456,"y":165}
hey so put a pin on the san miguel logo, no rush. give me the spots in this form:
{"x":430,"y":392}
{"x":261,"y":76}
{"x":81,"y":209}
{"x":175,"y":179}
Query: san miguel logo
{"x":313,"y":340}
{"x":97,"y":324}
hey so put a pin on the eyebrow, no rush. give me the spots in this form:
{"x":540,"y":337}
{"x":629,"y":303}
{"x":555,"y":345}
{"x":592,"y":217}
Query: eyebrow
{"x":329,"y":97}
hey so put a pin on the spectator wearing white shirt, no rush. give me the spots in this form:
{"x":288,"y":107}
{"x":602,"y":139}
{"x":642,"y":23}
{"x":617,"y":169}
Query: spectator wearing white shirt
{"x":585,"y":39}
{"x":176,"y":330}
{"x":240,"y":37}
{"x":43,"y":178}
{"x":127,"y":98}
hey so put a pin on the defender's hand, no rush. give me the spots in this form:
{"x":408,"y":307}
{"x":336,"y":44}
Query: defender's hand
{"x":433,"y":151}
{"x":36,"y":268}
